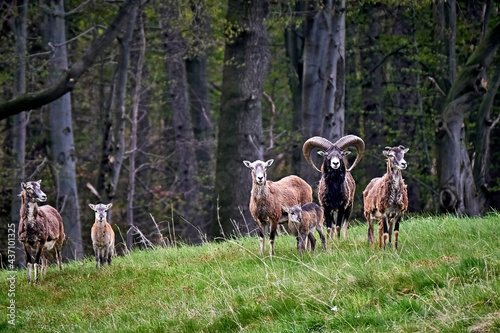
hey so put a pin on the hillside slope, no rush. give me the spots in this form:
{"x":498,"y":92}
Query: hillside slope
{"x":444,"y":277}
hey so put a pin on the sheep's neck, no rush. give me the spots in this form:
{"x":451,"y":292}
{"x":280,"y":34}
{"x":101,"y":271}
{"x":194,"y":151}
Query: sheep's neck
{"x":100,"y":224}
{"x":259,"y":191}
{"x":28,"y":209}
{"x":394,"y":187}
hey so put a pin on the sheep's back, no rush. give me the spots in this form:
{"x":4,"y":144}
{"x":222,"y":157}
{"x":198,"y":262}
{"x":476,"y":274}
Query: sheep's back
{"x":371,"y":195}
{"x":291,"y":190}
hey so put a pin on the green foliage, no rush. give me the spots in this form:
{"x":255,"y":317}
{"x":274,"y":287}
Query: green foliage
{"x":444,"y":277}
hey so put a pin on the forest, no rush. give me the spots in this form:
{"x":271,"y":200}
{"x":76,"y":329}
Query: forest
{"x":154,"y":105}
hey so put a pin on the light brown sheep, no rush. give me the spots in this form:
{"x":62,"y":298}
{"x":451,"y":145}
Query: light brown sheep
{"x":268,"y":197}
{"x":103,"y":236}
{"x":386,"y":199}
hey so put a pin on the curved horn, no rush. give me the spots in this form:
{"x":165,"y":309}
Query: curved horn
{"x":315,"y":142}
{"x":352,"y":141}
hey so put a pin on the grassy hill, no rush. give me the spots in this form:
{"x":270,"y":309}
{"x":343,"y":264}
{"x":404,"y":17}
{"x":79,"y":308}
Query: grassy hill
{"x":444,"y":278}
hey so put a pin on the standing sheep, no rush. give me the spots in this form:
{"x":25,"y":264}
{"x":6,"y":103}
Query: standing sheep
{"x":302,"y":221}
{"x":40,"y":228}
{"x":267,"y":199}
{"x":336,"y":186}
{"x":103,"y":236}
{"x":386,"y":199}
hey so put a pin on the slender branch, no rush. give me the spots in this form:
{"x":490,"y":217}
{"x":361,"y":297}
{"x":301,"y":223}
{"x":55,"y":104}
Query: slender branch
{"x":68,"y":79}
{"x":436,"y":85}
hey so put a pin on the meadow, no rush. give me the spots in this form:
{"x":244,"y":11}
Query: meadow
{"x":445,"y":277}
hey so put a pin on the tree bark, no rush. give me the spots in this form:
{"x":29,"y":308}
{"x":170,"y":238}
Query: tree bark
{"x":113,"y":144}
{"x":316,"y":33}
{"x":372,"y":90}
{"x":246,"y":60}
{"x":294,"y":44}
{"x":62,"y":145}
{"x":334,"y":105}
{"x":68,"y":79}
{"x":132,"y":172}
{"x":187,"y":186}
{"x":458,"y":190}
{"x":19,"y":120}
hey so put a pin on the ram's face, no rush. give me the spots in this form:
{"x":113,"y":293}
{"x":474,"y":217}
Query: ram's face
{"x":396,"y":156}
{"x":259,"y":168}
{"x":334,"y":157}
{"x":33,"y":191}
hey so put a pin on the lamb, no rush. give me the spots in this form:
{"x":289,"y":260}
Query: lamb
{"x":302,"y":221}
{"x":386,"y":199}
{"x":268,"y":197}
{"x":40,"y":228}
{"x":103,"y":236}
{"x":336,"y":186}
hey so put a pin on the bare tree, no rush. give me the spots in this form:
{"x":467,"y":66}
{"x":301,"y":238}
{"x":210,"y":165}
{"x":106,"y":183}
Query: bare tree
{"x":62,"y":147}
{"x":132,"y":169}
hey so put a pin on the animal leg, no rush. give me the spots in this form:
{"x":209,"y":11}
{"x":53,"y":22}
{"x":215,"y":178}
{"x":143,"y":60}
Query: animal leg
{"x":340,"y":218}
{"x":299,"y":244}
{"x":105,"y":257}
{"x":347,"y":214}
{"x":59,"y":258}
{"x":29,"y":260}
{"x":272,"y":235}
{"x":312,"y":240}
{"x":380,"y":232}
{"x":385,"y":228}
{"x":110,"y":254}
{"x":44,"y":265}
{"x":370,"y":239}
{"x":396,"y":232}
{"x":261,"y":239}
{"x":322,"y":236}
{"x":96,"y":253}
{"x":328,"y":220}
{"x":37,"y":260}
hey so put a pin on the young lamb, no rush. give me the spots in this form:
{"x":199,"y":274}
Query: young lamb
{"x":103,"y":236}
{"x":386,"y":199}
{"x":302,"y":221}
{"x":40,"y":228}
{"x":268,"y":197}
{"x":336,"y":186}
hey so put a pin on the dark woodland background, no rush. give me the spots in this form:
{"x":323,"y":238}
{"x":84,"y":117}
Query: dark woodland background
{"x":154,"y":105}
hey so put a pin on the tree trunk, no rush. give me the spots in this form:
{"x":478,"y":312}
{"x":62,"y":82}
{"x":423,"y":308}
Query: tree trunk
{"x":132,"y":172}
{"x":316,"y":33}
{"x":294,"y":43}
{"x":246,"y":60}
{"x":372,"y":90}
{"x":62,"y":145}
{"x":334,"y":106}
{"x":458,"y":190}
{"x":113,"y":144}
{"x":19,"y":120}
{"x":187,"y":186}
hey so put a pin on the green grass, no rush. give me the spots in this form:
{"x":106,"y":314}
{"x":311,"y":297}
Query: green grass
{"x":445,"y":277}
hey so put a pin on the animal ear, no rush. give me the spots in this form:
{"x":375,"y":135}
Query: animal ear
{"x":108,"y":206}
{"x":346,"y":152}
{"x":248,"y":164}
{"x":23,"y":186}
{"x":39,"y":181}
{"x":269,"y":163}
{"x":405,"y":150}
{"x":285,"y":209}
{"x":322,"y":153}
{"x":385,"y":152}
{"x":92,"y":206}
